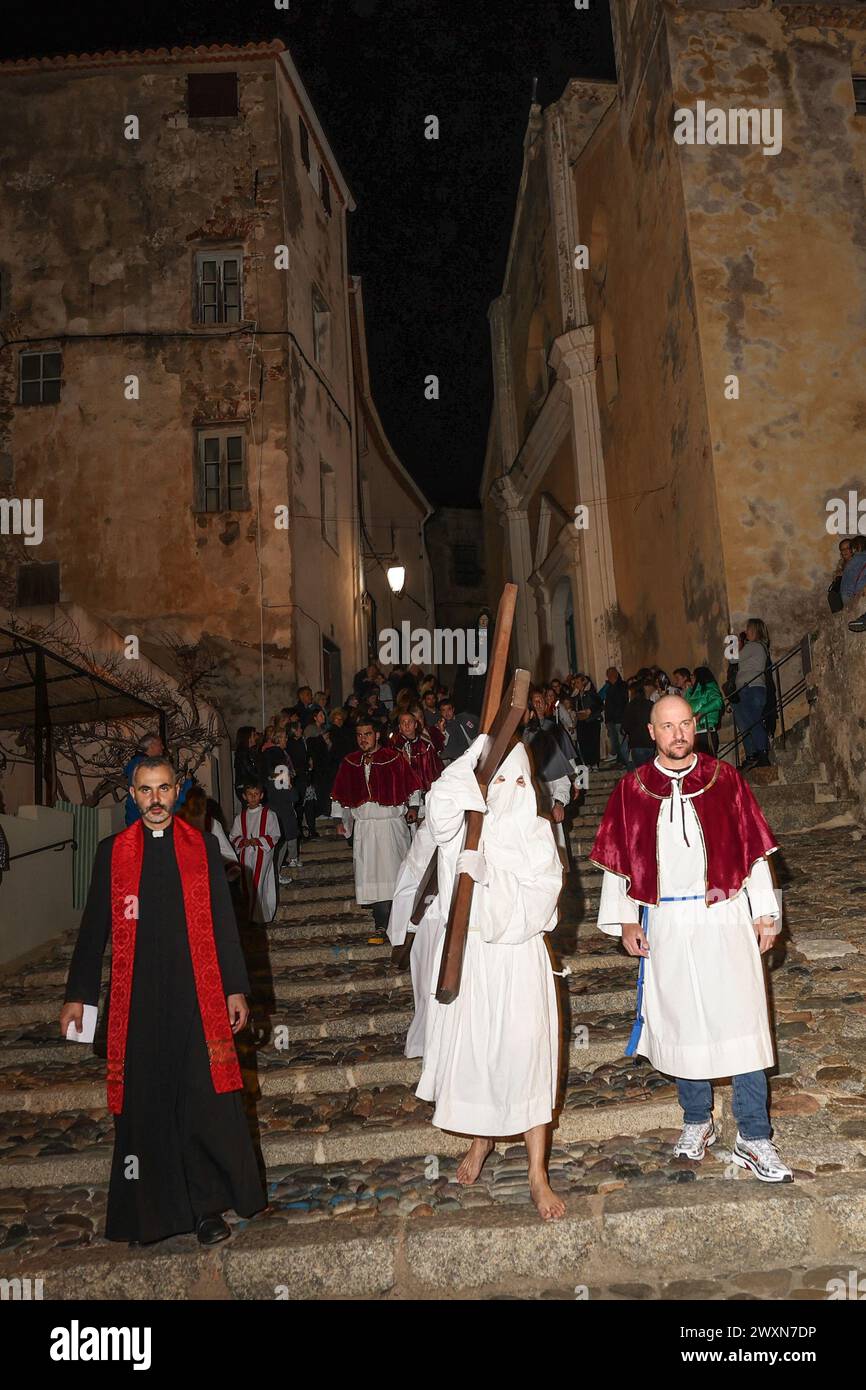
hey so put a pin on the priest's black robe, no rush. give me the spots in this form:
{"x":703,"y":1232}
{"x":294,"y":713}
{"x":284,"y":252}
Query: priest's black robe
{"x":193,"y":1147}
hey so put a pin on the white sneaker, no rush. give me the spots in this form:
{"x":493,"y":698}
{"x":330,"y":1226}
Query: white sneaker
{"x":695,"y":1140}
{"x":761,"y":1158}
{"x":293,"y":864}
{"x":285,"y":878}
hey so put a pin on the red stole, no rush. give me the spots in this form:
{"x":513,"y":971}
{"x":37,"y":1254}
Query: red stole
{"x":734,"y":830}
{"x":126,"y":858}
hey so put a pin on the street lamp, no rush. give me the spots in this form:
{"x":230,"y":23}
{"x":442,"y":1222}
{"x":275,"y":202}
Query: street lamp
{"x":396,"y":579}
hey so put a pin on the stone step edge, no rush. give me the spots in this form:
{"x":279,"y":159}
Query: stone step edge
{"x":619,"y":1237}
{"x":299,"y":1080}
{"x":66,"y":1170}
{"x":580,"y":963}
{"x":611,"y":1001}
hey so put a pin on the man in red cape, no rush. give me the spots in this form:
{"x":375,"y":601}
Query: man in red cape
{"x":684,"y":845}
{"x":418,"y":748}
{"x":378,"y":791}
{"x":182,"y":1150}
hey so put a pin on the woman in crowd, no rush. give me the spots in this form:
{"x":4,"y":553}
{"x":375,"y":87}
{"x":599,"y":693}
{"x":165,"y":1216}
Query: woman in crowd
{"x":247,"y":757}
{"x":708,"y":704}
{"x":750,"y":700}
{"x":588,"y":710}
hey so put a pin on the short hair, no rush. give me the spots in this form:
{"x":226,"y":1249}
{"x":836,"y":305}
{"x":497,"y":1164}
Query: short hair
{"x":143,"y":743}
{"x":195,"y":802}
{"x":682,"y":671}
{"x":150,"y":763}
{"x":365,"y":723}
{"x":249,"y":783}
{"x":307,"y":688}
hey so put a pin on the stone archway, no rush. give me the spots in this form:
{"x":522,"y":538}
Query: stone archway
{"x":563,"y":646}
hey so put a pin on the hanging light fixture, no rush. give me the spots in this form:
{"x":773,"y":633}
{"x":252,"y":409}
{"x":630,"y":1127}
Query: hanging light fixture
{"x":397,"y":578}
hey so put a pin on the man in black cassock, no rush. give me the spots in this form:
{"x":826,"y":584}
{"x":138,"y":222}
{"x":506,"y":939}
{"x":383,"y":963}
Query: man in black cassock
{"x":176,"y":1088}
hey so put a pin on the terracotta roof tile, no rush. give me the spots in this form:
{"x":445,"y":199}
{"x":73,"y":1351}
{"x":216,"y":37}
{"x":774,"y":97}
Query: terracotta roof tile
{"x":204,"y":53}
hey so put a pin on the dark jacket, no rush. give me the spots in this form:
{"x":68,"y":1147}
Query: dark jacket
{"x":615,"y":701}
{"x":637,"y":715}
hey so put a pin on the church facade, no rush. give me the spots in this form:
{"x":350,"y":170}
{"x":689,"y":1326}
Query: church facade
{"x":678,"y":349}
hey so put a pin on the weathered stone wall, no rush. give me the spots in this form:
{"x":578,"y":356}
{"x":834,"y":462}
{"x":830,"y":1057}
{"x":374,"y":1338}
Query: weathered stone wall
{"x":100,"y":238}
{"x":778,"y":245}
{"x":670,"y":578}
{"x":838,"y":721}
{"x":534,"y":317}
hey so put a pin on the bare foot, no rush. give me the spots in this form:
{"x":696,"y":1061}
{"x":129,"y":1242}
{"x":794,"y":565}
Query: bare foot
{"x":472,"y":1162}
{"x":549,"y":1206}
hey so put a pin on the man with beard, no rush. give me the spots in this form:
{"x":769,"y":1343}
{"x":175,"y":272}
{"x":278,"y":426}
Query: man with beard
{"x":684,"y":847}
{"x":182,"y":1152}
{"x":378,"y":792}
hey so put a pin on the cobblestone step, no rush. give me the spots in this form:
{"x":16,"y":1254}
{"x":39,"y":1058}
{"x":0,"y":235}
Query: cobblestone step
{"x":624,"y":1243}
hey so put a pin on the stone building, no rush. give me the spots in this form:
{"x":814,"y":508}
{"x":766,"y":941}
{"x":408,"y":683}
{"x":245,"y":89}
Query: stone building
{"x":455,"y":540}
{"x":676,"y":403}
{"x":176,"y":377}
{"x":393,"y":511}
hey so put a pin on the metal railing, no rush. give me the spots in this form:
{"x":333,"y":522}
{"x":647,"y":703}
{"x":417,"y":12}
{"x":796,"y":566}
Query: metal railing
{"x":57,"y":844}
{"x":803,"y":650}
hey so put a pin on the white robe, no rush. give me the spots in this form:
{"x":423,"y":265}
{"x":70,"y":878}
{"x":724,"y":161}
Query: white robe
{"x":380,"y":844}
{"x":491,"y":1057}
{"x":257,"y":861}
{"x":705,"y":1003}
{"x":428,"y":933}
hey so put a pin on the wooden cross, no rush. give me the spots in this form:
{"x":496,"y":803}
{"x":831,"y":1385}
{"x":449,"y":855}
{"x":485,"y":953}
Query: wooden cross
{"x":500,"y":719}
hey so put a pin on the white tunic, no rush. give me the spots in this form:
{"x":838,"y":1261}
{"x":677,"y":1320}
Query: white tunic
{"x":380,"y":844}
{"x":705,"y":1003}
{"x":257,"y":861}
{"x":491,"y":1057}
{"x":428,"y":933}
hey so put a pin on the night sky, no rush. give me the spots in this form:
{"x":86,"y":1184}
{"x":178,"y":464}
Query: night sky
{"x":431,"y":230}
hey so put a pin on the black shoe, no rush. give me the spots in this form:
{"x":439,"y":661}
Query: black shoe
{"x":210,"y":1230}
{"x":749,"y":763}
{"x":858,"y":625}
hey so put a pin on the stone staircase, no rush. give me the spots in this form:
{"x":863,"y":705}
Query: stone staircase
{"x":362,"y":1198}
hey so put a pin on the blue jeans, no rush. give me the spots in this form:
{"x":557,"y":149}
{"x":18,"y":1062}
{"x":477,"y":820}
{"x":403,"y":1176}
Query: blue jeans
{"x":750,"y":1103}
{"x":747,"y":709}
{"x":618,"y":742}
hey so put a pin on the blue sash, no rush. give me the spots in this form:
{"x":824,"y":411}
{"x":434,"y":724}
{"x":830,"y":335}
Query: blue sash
{"x":637,"y":1026}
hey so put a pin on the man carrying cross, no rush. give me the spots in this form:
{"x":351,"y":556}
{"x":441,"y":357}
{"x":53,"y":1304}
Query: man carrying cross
{"x":491,"y":1046}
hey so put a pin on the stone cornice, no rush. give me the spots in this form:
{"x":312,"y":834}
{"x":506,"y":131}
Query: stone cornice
{"x":823,"y":16}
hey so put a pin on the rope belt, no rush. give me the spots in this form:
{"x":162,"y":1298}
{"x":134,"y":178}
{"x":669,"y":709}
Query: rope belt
{"x":637,"y":1026}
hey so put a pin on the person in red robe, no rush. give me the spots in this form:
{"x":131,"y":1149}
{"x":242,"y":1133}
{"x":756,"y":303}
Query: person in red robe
{"x":182,"y":1151}
{"x":378,"y":791}
{"x":418,"y":747}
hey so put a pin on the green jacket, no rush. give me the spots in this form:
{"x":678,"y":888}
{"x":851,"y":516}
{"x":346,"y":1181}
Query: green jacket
{"x":708,"y":703}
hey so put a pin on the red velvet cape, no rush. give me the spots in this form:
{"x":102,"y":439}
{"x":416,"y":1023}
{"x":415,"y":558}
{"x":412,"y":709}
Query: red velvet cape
{"x":392,"y":779}
{"x":734,"y":830}
{"x":422,"y":755}
{"x":126,"y":857}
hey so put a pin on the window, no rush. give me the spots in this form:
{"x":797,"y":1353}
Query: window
{"x":328,"y":496}
{"x":324,"y":190}
{"x":860,"y":95}
{"x":38,"y":583}
{"x":321,"y":329}
{"x":219,"y":285}
{"x":305,"y":143}
{"x":40,"y":378}
{"x":222,"y":480}
{"x":466,"y":571}
{"x":212,"y":94}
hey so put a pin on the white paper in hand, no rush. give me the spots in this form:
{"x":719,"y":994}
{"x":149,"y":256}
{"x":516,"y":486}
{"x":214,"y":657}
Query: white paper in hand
{"x":88,"y":1026}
